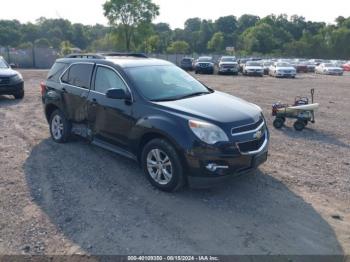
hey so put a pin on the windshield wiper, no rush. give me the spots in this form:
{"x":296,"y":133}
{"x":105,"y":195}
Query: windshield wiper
{"x":180,"y":97}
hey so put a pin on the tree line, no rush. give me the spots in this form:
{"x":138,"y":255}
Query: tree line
{"x":131,"y":29}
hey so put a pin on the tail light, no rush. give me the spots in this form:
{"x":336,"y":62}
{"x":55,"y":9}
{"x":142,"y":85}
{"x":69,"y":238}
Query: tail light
{"x":43,"y":88}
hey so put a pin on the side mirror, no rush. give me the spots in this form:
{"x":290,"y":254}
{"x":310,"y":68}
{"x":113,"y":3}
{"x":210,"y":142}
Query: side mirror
{"x":118,"y":94}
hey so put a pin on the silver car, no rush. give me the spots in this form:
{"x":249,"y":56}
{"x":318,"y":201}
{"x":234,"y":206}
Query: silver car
{"x":282,"y":69}
{"x":329,"y":69}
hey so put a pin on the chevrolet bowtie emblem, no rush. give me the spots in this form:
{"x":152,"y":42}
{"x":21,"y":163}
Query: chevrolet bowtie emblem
{"x":258,"y":134}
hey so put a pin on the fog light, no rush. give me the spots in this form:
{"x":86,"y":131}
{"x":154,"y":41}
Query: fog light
{"x":212,"y":167}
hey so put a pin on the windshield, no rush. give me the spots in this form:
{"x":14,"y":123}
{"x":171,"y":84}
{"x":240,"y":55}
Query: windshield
{"x":164,"y":83}
{"x":228,"y":59}
{"x":284,"y":65}
{"x":253,"y":64}
{"x":205,"y":59}
{"x":3,"y":63}
{"x":328,"y":65}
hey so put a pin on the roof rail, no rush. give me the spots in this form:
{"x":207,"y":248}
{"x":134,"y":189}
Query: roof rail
{"x":104,"y":55}
{"x":87,"y":56}
{"x":140,"y":55}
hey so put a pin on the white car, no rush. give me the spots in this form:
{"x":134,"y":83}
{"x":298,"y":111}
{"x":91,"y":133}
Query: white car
{"x":329,"y":69}
{"x":253,"y":68}
{"x":228,"y":64}
{"x":282,"y":69}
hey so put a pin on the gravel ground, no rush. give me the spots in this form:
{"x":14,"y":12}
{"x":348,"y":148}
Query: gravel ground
{"x":79,"y":199}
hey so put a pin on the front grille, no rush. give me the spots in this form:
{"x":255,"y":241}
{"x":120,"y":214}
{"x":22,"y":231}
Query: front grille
{"x":229,"y":66}
{"x":204,"y":65}
{"x":4,"y":80}
{"x":253,"y":145}
{"x":246,"y":128}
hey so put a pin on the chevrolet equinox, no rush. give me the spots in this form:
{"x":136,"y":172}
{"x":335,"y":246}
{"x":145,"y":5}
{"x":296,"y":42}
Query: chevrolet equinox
{"x":179,"y":130}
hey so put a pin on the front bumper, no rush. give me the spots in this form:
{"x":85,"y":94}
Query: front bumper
{"x":204,"y":69}
{"x":286,"y":75}
{"x":11,"y":89}
{"x":255,"y":73}
{"x":214,"y":165}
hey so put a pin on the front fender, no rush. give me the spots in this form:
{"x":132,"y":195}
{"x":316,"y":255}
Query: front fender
{"x":174,"y":129}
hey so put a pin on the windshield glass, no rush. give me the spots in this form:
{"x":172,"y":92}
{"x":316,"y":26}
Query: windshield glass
{"x":328,"y":65}
{"x":228,"y":59}
{"x":284,"y":65}
{"x":205,"y":59}
{"x":158,"y":83}
{"x":3,"y":63}
{"x":254,"y":64}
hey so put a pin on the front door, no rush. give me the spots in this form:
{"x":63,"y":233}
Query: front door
{"x":109,"y":119}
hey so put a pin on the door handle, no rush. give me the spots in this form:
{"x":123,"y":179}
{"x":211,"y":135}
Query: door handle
{"x":84,"y":95}
{"x":94,"y":102}
{"x":64,"y":90}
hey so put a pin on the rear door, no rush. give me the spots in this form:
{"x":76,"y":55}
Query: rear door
{"x":109,"y":119}
{"x":76,"y":83}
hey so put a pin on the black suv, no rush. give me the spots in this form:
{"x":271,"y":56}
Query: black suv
{"x":11,"y":81}
{"x":179,"y":130}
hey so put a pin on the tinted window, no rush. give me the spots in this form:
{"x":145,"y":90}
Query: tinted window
{"x":164,"y":82}
{"x":78,"y":75}
{"x":56,"y":71}
{"x":107,"y":79}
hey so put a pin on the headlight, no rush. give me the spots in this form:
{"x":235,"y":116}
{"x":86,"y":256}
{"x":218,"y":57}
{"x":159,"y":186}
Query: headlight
{"x":17,"y":78}
{"x":207,"y":132}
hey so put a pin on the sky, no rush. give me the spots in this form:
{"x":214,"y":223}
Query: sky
{"x":175,"y":12}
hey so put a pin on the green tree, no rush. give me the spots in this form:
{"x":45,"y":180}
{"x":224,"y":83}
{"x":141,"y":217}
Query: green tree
{"x":178,"y":47}
{"x":217,"y":42}
{"x":128,"y":14}
{"x":66,"y":48}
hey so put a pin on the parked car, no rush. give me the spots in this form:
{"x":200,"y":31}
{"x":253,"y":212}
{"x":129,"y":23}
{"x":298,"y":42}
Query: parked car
{"x":346,"y":67}
{"x":282,"y":69}
{"x":311,"y":67}
{"x":228,"y":65}
{"x":11,"y":81}
{"x":266,"y":66}
{"x":253,"y":68}
{"x":329,"y":69}
{"x":153,"y":112}
{"x":301,"y":67}
{"x":204,"y":64}
{"x":186,"y":63}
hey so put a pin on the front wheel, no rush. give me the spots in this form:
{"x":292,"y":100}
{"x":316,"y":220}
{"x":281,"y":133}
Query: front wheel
{"x":279,"y":122}
{"x":162,"y":165}
{"x":60,"y":127}
{"x":19,"y":95}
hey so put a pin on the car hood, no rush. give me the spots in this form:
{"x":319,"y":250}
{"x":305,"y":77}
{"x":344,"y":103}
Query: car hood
{"x":228,"y":63}
{"x":286,"y":68}
{"x":334,"y":68}
{"x":216,"y":107}
{"x":254,"y":67}
{"x":7,"y":72}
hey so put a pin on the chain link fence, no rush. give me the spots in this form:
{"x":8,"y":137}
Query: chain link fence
{"x":40,"y":58}
{"x":44,"y":58}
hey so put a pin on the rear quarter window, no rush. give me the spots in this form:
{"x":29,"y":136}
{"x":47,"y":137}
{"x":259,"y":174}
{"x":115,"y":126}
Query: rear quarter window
{"x":56,"y":71}
{"x":78,"y":75}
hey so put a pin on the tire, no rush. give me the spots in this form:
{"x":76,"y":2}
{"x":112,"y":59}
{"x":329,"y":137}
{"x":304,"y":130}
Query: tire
{"x":278,"y":123}
{"x":60,"y":127}
{"x":19,"y":95}
{"x":169,"y":177}
{"x":299,"y":125}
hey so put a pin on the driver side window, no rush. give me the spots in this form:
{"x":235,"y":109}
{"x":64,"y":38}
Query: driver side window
{"x":107,"y":79}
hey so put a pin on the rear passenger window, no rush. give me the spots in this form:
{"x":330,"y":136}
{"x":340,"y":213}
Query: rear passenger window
{"x":56,"y":71}
{"x":78,"y":75}
{"x":107,"y":79}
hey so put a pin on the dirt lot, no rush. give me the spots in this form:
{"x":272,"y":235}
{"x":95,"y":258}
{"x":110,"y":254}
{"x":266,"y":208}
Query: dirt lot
{"x":77,"y":198}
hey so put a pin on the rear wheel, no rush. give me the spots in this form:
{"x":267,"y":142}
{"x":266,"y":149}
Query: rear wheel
{"x":162,"y":165}
{"x":60,"y":127}
{"x":299,"y":125}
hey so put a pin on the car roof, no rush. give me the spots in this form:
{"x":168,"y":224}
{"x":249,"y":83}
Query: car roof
{"x":120,"y":60}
